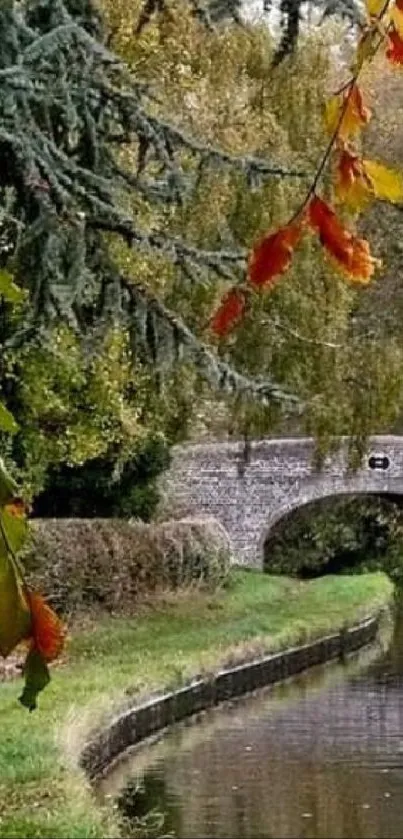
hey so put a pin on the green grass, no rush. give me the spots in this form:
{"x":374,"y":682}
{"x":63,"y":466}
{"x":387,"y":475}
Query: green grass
{"x":42,"y":792}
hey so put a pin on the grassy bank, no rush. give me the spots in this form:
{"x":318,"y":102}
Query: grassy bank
{"x":42,"y":793}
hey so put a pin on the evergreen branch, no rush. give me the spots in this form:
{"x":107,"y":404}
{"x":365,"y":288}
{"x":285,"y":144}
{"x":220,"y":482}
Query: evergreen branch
{"x":174,"y":247}
{"x":215,"y":155}
{"x":216,"y":371}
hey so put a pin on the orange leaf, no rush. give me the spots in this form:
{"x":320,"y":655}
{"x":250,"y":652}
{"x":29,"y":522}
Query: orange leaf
{"x":394,"y":51}
{"x":229,"y":313}
{"x":355,"y":113}
{"x":16,"y":507}
{"x":351,"y":253}
{"x":47,"y":630}
{"x":273,"y":254}
{"x":353,"y":186}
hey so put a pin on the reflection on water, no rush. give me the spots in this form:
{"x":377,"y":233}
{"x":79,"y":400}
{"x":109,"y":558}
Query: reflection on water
{"x":319,"y":757}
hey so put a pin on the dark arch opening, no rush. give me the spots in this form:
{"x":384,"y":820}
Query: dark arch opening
{"x":340,"y":534}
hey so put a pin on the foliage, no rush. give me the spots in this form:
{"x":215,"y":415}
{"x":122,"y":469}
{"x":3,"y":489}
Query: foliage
{"x":82,"y":565}
{"x":304,"y":333}
{"x":76,"y":110}
{"x":24,"y":616}
{"x":101,"y":193}
{"x":72,"y":407}
{"x":108,"y":486}
{"x":352,"y":535}
{"x":346,"y":114}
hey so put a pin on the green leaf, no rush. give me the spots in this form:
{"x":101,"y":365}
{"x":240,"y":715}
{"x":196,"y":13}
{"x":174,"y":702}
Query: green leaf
{"x":7,"y":421}
{"x":15,"y":615}
{"x":36,"y":678}
{"x":9,"y":290}
{"x":13,"y":532}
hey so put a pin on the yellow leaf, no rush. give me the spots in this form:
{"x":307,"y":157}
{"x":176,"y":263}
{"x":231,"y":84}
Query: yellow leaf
{"x":332,"y":111}
{"x":347,"y":113}
{"x":375,"y":7}
{"x":397,"y":17}
{"x":386,"y":183}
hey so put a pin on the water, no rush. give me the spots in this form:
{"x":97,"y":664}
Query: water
{"x":319,"y":757}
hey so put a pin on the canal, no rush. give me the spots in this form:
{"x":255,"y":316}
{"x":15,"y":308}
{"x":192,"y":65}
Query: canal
{"x":321,"y":756}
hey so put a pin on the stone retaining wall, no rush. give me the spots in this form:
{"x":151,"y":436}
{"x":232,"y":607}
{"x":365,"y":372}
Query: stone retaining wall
{"x":140,"y":722}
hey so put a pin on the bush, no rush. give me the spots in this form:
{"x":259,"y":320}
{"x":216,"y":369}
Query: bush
{"x":111,"y":564}
{"x":103,"y":488}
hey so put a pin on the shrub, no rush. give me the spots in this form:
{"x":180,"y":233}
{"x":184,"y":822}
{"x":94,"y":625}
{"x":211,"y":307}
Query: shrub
{"x":111,"y":564}
{"x":104,"y":488}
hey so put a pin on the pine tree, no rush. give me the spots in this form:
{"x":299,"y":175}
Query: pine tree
{"x":68,"y":107}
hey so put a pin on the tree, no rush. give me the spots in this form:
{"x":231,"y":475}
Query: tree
{"x":222,"y":84}
{"x":63,"y":187}
{"x":71,"y":116}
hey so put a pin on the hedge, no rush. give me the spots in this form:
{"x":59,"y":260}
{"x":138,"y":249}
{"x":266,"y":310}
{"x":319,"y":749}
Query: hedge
{"x":111,"y":563}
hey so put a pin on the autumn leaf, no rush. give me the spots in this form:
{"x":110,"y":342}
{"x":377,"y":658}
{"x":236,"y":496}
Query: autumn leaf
{"x":351,"y":254}
{"x":36,"y":676}
{"x":355,"y":116}
{"x":47,"y":630}
{"x":229,"y":312}
{"x":16,"y":507}
{"x":396,"y":15}
{"x":272,"y":256}
{"x":375,"y":7}
{"x":394,"y":50}
{"x":353,"y":186}
{"x":387,"y":183}
{"x":15,"y":615}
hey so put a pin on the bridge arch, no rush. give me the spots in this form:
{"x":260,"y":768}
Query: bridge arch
{"x":314,"y":504}
{"x":250,"y":497}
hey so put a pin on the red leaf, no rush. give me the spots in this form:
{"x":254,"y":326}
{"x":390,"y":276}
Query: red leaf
{"x":229,"y":313}
{"x":351,"y":253}
{"x":47,"y":632}
{"x":273,"y":254}
{"x":394,"y":51}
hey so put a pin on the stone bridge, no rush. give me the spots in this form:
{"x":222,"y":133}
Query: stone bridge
{"x":250,"y":494}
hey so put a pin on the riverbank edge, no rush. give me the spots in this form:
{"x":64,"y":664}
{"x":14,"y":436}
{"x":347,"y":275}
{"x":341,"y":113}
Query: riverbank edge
{"x":143,"y":720}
